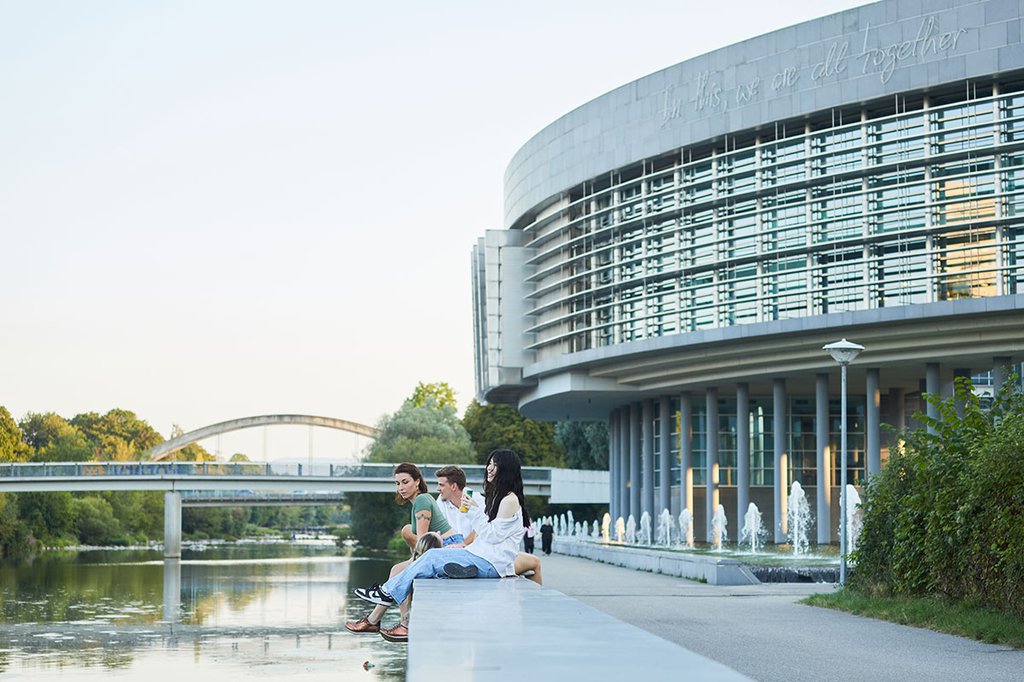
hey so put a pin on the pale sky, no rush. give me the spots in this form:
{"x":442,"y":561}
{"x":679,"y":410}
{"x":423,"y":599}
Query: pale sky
{"x":219,"y":209}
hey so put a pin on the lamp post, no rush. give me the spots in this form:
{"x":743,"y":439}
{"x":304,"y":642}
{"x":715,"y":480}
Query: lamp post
{"x":844,"y":352}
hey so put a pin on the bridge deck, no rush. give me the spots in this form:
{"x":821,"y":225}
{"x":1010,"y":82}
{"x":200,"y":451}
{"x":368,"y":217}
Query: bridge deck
{"x":513,"y":629}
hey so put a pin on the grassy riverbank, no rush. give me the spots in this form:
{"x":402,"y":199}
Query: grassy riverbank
{"x":974,"y":622}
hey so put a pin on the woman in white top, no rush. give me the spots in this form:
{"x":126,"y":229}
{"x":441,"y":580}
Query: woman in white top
{"x":499,"y":527}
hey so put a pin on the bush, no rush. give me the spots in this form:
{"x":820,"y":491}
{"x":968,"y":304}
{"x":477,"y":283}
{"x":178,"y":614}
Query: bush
{"x":943,"y":518}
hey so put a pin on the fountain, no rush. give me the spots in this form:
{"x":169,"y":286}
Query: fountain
{"x":606,"y":522}
{"x":631,"y":530}
{"x":754,"y":531}
{"x":854,"y":518}
{"x":664,"y":532}
{"x":719,"y":522}
{"x":563,"y":525}
{"x":645,"y":529}
{"x":595,"y":534}
{"x":620,"y":530}
{"x":570,"y":522}
{"x":578,"y":530}
{"x":799,"y":518}
{"x":686,"y":528}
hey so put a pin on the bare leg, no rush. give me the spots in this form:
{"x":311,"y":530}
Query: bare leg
{"x":528,"y":562}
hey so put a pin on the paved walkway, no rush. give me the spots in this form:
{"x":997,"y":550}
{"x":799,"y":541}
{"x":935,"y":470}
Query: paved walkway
{"x":761,"y":631}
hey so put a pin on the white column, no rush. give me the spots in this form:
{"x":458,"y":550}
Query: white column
{"x":634,"y":461}
{"x":874,"y":421}
{"x":647,"y":448}
{"x":613,"y":464}
{"x":172,"y":525}
{"x":665,"y":439}
{"x":686,"y":452}
{"x":824,"y":461}
{"x":711,"y":459}
{"x":624,"y":421}
{"x":779,"y":438}
{"x":742,"y":454}
{"x":931,"y":386}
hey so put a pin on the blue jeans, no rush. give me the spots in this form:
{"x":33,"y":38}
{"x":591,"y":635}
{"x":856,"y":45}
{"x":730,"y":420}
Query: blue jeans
{"x":455,"y":539}
{"x":431,"y":565}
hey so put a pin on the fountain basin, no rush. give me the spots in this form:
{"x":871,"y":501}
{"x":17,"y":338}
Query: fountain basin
{"x":711,"y":569}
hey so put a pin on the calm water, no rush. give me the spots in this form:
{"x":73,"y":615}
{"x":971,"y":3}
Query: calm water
{"x":227,"y":613}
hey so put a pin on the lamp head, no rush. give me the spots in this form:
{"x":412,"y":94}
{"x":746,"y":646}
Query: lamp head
{"x":844,"y":352}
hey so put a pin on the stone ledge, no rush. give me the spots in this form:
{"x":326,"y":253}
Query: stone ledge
{"x":713,"y":570}
{"x":513,"y":629}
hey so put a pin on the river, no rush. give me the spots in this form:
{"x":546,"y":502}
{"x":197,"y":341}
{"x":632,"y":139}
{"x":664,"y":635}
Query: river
{"x":228,"y":612}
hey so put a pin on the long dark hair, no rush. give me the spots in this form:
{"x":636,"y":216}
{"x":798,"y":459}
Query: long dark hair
{"x":509,"y":479}
{"x":414,"y":471}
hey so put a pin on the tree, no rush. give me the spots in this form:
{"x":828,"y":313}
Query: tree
{"x":95,"y":521}
{"x":585,"y":444}
{"x":48,"y":515}
{"x":440,"y":392}
{"x":117,"y":435}
{"x":53,"y":439}
{"x":429,"y":433}
{"x":501,"y":426}
{"x":13,"y":448}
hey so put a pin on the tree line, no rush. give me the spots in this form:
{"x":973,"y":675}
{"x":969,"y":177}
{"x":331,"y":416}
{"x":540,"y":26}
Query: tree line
{"x":425,"y":429}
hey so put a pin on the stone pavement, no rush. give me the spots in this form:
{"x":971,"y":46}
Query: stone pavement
{"x":760,"y":630}
{"x":513,"y":630}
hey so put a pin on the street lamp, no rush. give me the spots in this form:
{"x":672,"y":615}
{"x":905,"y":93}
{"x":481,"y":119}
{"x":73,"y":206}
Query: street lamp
{"x":844,"y":352}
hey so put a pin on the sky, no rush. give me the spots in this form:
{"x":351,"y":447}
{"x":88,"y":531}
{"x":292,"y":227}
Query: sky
{"x":224,"y":208}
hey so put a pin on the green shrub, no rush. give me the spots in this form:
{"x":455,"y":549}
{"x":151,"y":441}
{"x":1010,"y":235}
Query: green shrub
{"x":943,"y":518}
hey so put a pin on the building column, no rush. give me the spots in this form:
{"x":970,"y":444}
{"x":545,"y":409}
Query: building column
{"x":873,"y":422}
{"x":613,"y":464}
{"x":961,"y":404}
{"x":899,"y":408}
{"x":686,"y":452}
{"x":824,"y":459}
{"x":172,"y":525}
{"x":1000,"y":372}
{"x":665,"y":440}
{"x":634,"y":462}
{"x":624,"y":490}
{"x":647,"y":447}
{"x":742,"y":454}
{"x":779,"y":438}
{"x":711,"y":470}
{"x":932,"y":386}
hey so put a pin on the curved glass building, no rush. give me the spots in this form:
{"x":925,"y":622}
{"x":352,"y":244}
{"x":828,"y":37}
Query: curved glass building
{"x":677,"y":252}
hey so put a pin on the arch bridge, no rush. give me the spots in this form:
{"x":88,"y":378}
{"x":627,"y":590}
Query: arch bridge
{"x":168,"y":447}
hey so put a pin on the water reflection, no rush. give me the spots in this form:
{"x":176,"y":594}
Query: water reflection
{"x":228,"y":613}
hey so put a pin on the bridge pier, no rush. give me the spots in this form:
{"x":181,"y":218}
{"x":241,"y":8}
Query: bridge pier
{"x":172,"y":525}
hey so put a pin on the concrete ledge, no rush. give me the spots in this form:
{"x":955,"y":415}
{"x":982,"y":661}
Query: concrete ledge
{"x":714,"y":570}
{"x":513,"y":629}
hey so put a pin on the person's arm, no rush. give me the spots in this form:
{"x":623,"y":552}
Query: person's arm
{"x":422,"y":517}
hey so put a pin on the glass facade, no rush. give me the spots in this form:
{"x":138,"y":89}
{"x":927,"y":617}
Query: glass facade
{"x":910,"y":201}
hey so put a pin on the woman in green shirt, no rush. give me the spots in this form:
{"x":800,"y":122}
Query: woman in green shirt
{"x":425,"y":515}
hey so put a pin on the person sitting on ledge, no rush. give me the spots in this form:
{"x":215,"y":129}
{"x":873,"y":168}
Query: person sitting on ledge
{"x":451,"y":482}
{"x":371,"y":623}
{"x":499,"y":527}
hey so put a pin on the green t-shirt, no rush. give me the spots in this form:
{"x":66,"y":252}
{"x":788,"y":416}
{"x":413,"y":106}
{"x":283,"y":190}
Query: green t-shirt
{"x":438,"y":522}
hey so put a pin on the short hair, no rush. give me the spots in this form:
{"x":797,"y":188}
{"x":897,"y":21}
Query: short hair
{"x":454,"y":475}
{"x":414,"y":472}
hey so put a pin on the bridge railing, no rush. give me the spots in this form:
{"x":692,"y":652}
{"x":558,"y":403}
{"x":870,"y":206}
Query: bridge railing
{"x":474,"y":473}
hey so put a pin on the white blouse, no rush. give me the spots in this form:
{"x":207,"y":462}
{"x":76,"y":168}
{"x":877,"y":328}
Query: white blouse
{"x":497,"y":541}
